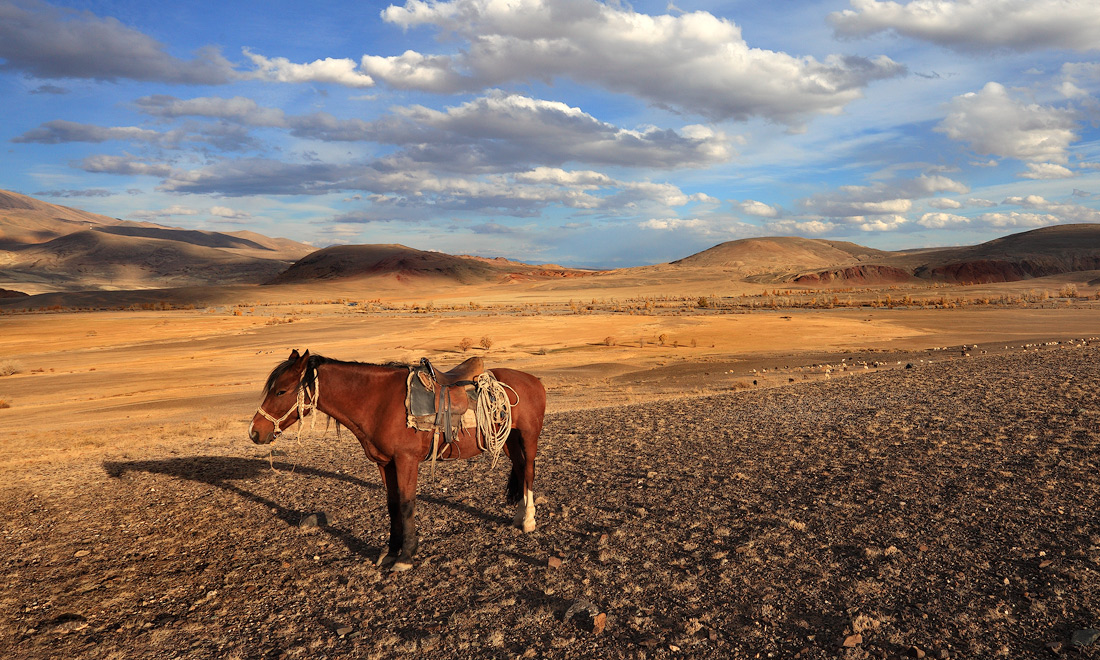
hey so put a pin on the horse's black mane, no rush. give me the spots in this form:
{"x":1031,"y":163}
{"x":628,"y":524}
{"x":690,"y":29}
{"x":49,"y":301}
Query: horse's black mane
{"x":312,"y":363}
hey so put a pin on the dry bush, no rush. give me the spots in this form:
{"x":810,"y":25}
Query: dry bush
{"x":486,"y":342}
{"x":4,"y":404}
{"x":1068,"y":291}
{"x":465,"y":344}
{"x":609,"y":341}
{"x":9,"y":367}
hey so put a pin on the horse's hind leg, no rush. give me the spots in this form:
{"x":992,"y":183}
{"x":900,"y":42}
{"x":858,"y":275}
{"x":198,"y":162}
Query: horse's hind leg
{"x":521,"y":480}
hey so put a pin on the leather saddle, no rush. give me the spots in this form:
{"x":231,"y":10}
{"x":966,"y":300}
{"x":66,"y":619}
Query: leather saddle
{"x":441,"y":401}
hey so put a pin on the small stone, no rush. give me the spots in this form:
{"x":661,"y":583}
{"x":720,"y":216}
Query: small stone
{"x":915,"y":652}
{"x":313,"y":520}
{"x":1055,"y":647}
{"x":82,"y":553}
{"x":1044,"y":563}
{"x":599,"y":622}
{"x":944,"y":654}
{"x":852,"y":641}
{"x":1084,"y":637}
{"x":343,"y":630}
{"x":554,"y":562}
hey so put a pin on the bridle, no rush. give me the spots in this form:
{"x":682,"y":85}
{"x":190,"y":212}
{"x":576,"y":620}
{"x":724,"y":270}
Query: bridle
{"x":302,"y":406}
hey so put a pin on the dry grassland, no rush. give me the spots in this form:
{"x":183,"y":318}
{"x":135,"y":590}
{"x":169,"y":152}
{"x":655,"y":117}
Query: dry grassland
{"x":946,"y":506}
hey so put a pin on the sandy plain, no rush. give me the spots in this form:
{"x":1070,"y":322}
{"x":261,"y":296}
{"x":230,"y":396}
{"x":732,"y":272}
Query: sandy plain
{"x":165,"y":395}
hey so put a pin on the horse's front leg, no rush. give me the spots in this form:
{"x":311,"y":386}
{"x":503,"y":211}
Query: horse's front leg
{"x":400,"y":478}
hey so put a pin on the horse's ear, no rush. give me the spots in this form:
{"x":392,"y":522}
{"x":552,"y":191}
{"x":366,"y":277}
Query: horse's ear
{"x":305,"y":356}
{"x":293,"y":356}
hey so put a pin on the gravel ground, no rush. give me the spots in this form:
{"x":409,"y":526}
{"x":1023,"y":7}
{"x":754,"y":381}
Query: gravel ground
{"x":946,"y":510}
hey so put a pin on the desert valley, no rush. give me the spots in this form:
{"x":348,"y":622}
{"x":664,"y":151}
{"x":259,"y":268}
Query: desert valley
{"x":777,"y":447}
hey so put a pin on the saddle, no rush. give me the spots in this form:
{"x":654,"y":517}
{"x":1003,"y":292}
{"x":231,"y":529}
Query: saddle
{"x":443,"y":401}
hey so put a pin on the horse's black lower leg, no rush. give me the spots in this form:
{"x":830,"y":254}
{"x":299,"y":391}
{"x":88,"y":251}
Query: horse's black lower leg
{"x":514,"y":492}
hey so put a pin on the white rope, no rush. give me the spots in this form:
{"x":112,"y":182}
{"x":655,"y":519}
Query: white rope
{"x":302,"y":406}
{"x":493,"y":414}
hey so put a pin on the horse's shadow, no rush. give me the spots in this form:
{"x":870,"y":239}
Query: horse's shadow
{"x":222,"y":471}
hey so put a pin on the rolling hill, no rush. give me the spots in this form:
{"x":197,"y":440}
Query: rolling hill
{"x":49,"y":248}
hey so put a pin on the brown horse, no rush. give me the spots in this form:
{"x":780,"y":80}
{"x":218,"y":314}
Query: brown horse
{"x":369,"y":400}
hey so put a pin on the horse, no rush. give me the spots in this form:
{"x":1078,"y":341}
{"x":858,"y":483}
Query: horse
{"x":369,"y":401}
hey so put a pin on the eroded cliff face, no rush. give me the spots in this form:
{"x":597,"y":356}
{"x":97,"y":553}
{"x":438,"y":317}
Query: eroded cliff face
{"x":862,"y":274}
{"x":983,"y":271}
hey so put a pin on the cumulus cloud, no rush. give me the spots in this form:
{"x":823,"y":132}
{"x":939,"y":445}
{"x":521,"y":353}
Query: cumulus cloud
{"x":942,"y":220}
{"x":239,"y":109}
{"x":758,"y":209}
{"x":174,"y":210}
{"x":854,"y":203}
{"x":993,"y":122}
{"x":1064,"y":212}
{"x":60,"y":131}
{"x":693,"y":62}
{"x":944,"y":203}
{"x":329,"y":70}
{"x":47,"y":42}
{"x":495,"y":132}
{"x":978,"y":25}
{"x":1046,"y":171}
{"x":123,"y":165}
{"x":229,"y":213}
{"x":511,"y":128}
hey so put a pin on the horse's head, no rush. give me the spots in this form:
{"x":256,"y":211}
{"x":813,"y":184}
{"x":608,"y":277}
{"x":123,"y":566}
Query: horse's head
{"x":280,"y":407}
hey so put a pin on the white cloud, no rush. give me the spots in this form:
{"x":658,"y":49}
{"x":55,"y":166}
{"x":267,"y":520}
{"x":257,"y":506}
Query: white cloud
{"x":239,"y":108}
{"x":1046,"y":171}
{"x":694,"y":62}
{"x":978,"y":25}
{"x":1018,"y":220}
{"x":944,"y":203}
{"x":125,"y":165}
{"x":59,"y":131}
{"x":758,"y":209}
{"x":329,"y":70}
{"x":993,"y":122}
{"x":886,"y":199}
{"x":226,"y":212}
{"x":173,"y":210}
{"x":942,"y":220}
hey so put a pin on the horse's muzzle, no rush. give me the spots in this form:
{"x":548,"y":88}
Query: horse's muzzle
{"x":255,"y":436}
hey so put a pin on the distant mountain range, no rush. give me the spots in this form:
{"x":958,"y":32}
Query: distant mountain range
{"x":49,"y":248}
{"x":45,"y":247}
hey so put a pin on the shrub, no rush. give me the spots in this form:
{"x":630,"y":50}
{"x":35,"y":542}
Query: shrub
{"x":1068,"y":291}
{"x":486,"y":342}
{"x":4,"y":404}
{"x":465,"y":344}
{"x":9,"y":367}
{"x":609,"y":341}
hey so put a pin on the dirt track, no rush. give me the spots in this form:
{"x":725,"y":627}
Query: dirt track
{"x":948,"y":507}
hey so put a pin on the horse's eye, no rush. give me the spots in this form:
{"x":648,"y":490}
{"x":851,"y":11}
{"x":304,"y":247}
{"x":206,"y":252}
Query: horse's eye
{"x":280,"y":393}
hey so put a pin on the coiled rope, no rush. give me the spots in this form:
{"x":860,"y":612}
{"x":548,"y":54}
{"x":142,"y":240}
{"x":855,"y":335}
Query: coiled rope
{"x":493,"y":414}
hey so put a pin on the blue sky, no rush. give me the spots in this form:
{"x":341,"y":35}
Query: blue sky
{"x":569,"y":131}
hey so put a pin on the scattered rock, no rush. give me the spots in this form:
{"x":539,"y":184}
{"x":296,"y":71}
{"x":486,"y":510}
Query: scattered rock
{"x":852,"y":641}
{"x":82,"y":553}
{"x":554,"y":562}
{"x":343,"y":630}
{"x":599,"y":622}
{"x":1084,"y":637}
{"x":318,"y":519}
{"x":915,"y":652}
{"x":1055,"y":647}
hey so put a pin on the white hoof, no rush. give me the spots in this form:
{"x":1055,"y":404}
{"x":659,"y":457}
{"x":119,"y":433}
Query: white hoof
{"x":400,"y":567}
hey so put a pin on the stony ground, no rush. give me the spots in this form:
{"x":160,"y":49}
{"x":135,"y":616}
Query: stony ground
{"x":946,"y":510}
